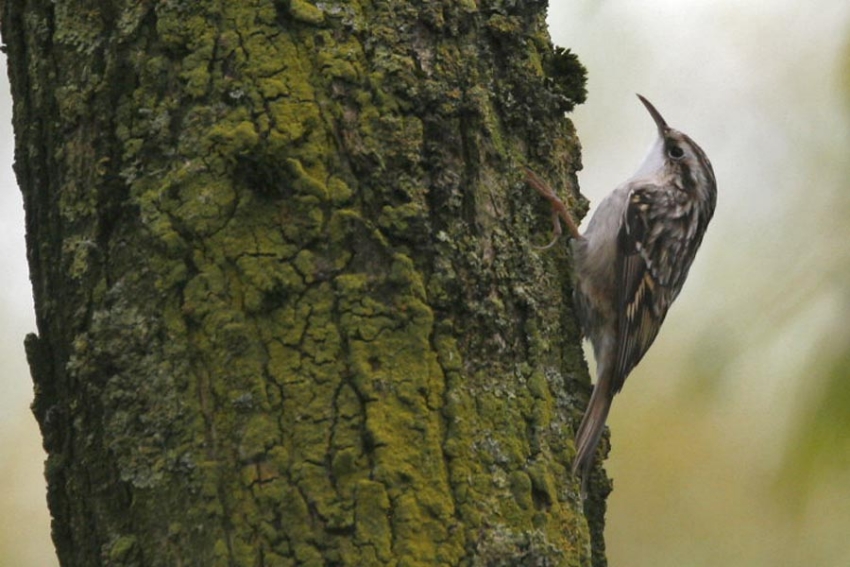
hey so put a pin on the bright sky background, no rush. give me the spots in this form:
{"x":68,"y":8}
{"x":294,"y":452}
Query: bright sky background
{"x":701,"y":428}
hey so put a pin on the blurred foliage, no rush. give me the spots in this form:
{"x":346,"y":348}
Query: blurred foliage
{"x":820,"y":444}
{"x":818,"y":449}
{"x":731,"y":440}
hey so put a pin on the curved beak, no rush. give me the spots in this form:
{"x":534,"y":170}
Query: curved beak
{"x":659,"y":120}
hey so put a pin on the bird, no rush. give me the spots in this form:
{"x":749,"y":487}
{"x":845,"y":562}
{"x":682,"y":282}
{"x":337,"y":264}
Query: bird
{"x":631,"y":263}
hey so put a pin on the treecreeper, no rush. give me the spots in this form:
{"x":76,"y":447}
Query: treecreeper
{"x":631,"y":263}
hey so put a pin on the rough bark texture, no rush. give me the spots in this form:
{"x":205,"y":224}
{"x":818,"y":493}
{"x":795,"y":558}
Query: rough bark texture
{"x":289,"y":311}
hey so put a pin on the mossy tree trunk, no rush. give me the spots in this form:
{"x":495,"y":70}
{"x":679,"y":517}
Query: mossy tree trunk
{"x":289,"y":308}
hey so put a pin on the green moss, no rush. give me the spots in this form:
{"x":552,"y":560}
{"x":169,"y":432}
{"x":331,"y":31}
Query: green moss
{"x":521,"y":489}
{"x":339,"y":191}
{"x":121,"y":548}
{"x":344,"y":463}
{"x":233,"y":139}
{"x":306,"y":262}
{"x":291,"y":120}
{"x":265,"y":276}
{"x":71,"y":104}
{"x":333,"y":65}
{"x":404,"y":272}
{"x":258,"y":436}
{"x":196,"y":65}
{"x":401,"y":219}
{"x":206,"y":203}
{"x":272,"y":88}
{"x":372,"y":528}
{"x":303,"y":182}
{"x":447,"y":350}
{"x":305,"y":12}
{"x":221,"y":553}
{"x":537,"y":386}
{"x":321,"y":340}
{"x":293,"y":319}
{"x":80,"y":251}
{"x":301,"y":220}
{"x":411,"y":524}
{"x":503,"y":25}
{"x":542,"y":481}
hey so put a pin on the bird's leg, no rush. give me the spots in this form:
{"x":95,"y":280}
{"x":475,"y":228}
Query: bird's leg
{"x":559,"y":209}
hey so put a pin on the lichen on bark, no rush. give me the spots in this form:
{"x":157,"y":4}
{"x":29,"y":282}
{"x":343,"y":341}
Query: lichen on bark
{"x":289,"y":307}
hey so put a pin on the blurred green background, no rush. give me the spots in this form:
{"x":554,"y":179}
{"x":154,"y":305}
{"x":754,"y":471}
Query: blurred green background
{"x":731,"y":440}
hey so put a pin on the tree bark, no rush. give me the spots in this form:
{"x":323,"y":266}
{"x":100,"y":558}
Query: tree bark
{"x":289,"y":307}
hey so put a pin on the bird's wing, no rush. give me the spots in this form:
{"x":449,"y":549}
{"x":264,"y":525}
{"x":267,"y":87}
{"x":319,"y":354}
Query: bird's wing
{"x":642,"y":296}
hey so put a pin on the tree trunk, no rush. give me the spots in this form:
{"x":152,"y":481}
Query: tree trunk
{"x":289,"y":307}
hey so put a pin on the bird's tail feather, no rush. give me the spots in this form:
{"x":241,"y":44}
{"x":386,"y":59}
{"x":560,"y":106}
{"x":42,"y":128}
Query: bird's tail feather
{"x":590,"y":430}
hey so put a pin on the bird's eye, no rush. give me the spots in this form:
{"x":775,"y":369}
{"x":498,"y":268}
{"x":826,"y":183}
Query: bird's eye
{"x":675,"y":152}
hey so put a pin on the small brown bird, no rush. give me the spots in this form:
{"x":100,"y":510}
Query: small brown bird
{"x":631,"y":263}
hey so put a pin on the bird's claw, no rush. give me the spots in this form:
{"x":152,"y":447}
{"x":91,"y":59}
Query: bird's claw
{"x":559,"y":209}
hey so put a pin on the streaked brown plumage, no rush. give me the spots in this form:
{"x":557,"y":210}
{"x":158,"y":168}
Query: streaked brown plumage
{"x":631,"y":263}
